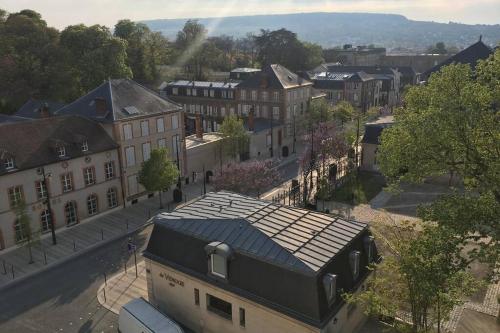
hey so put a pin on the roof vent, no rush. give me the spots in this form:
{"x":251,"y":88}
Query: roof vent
{"x":131,"y":110}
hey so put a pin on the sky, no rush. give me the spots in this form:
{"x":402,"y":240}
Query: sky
{"x":61,"y":13}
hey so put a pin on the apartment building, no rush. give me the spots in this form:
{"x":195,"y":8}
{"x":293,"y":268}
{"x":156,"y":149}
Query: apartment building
{"x":138,"y":120}
{"x":271,"y":93}
{"x":230,"y":263}
{"x":68,"y":163}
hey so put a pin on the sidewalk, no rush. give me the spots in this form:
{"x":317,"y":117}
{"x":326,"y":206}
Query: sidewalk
{"x":76,"y":240}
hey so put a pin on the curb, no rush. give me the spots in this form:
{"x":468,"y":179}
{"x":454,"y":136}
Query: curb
{"x":86,"y":250}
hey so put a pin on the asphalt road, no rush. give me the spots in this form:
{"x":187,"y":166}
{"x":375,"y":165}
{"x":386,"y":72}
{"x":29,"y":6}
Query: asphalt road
{"x":63,"y":299}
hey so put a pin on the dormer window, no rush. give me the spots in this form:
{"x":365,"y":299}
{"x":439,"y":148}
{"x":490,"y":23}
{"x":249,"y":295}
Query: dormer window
{"x":369,"y":247}
{"x":330,"y":285}
{"x":85,"y":146}
{"x":9,"y":163}
{"x":61,"y":151}
{"x":354,"y":257}
{"x":219,"y":254}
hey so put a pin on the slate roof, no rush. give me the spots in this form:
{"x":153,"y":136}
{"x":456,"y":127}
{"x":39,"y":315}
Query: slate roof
{"x":373,"y":132}
{"x":118,"y":95}
{"x":32,"y":107}
{"x":4,"y":118}
{"x":471,"y":55}
{"x":292,"y":238}
{"x":33,"y":143}
{"x":204,"y":84}
{"x":275,"y":77}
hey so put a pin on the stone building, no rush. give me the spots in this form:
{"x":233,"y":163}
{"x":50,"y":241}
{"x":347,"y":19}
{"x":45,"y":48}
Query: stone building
{"x":69,"y":161}
{"x":230,"y":263}
{"x":371,"y":141}
{"x":139,"y":120}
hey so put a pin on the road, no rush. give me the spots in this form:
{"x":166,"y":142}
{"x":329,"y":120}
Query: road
{"x":63,"y":299}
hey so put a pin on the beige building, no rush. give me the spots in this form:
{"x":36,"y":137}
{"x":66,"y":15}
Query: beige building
{"x":139,"y":120}
{"x":230,"y":263}
{"x":371,"y":141}
{"x":81,"y":166}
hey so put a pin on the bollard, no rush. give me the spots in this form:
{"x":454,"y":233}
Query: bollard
{"x":45,"y":257}
{"x":74,"y":246}
{"x":105,"y":279}
{"x":185,"y":198}
{"x":4,"y":268}
{"x":125,"y":264}
{"x":104,"y":291}
{"x":168,"y":207}
{"x":149,"y":213}
{"x":102,"y":234}
{"x":135,"y":262}
{"x":12,"y":270}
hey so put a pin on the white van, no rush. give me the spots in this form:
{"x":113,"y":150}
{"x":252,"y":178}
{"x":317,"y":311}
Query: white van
{"x":138,"y":316}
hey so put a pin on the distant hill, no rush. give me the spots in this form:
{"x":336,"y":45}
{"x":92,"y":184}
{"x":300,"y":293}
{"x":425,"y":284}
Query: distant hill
{"x":334,"y":29}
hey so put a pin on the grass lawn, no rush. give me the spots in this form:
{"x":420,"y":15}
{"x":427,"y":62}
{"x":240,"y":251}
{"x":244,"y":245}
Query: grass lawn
{"x":365,"y":188}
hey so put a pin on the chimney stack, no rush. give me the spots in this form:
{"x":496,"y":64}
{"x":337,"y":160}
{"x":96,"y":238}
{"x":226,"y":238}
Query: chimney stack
{"x":44,"y":111}
{"x":100,"y":106}
{"x":251,"y":124}
{"x":199,"y":127}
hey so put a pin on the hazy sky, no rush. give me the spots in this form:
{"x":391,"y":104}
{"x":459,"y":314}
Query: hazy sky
{"x":60,"y":13}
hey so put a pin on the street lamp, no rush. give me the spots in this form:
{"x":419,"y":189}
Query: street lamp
{"x":47,"y":202}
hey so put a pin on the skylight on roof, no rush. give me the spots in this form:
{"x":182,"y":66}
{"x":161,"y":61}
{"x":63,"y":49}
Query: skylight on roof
{"x":131,"y":110}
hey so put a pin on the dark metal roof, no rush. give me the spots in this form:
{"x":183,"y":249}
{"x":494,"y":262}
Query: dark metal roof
{"x":32,"y":108}
{"x":33,"y":143}
{"x":204,"y":84}
{"x":373,"y":132}
{"x":118,"y":95}
{"x":471,"y":55}
{"x":293,"y":238}
{"x":4,"y":118}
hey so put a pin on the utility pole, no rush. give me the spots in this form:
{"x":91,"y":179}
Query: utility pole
{"x":47,"y":202}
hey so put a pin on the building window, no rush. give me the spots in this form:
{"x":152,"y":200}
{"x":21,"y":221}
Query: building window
{"x":175,"y":91}
{"x":224,"y":93}
{"x":212,"y":93}
{"x":354,"y":263}
{"x":67,"y":184}
{"x":194,"y":92}
{"x":276,"y":112}
{"x":196,"y":296}
{"x":230,"y":94}
{"x":264,"y":96}
{"x":127,"y":131}
{"x":269,"y":140}
{"x":92,"y":204}
{"x":218,"y":265}
{"x":175,"y":121}
{"x":109,"y":170}
{"x":369,"y":241}
{"x":89,"y":176}
{"x":85,"y":146}
{"x":175,"y":146}
{"x":160,"y":125}
{"x":276,"y":96}
{"x":188,"y":92}
{"x":15,"y":195}
{"x":220,"y":307}
{"x":242,"y":317}
{"x":41,"y":190}
{"x":112,"y":198}
{"x":9,"y":163}
{"x":144,"y":128}
{"x":162,"y":143}
{"x":130,"y":156}
{"x":45,"y":220}
{"x":146,"y":151}
{"x":330,"y":285}
{"x":205,"y":92}
{"x":70,"y":213}
{"x":254,"y":95}
{"x":243,"y":94}
{"x":61,"y":151}
{"x":20,"y":232}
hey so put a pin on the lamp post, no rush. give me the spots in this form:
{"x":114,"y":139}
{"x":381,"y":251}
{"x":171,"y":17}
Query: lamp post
{"x":47,"y":202}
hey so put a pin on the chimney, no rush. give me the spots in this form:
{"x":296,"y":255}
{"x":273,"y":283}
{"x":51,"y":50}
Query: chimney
{"x":251,"y":125}
{"x":44,"y":111}
{"x":199,"y":128}
{"x":100,"y":106}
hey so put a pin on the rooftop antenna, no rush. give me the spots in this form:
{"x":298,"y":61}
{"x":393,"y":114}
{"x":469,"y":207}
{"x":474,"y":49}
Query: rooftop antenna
{"x":480,"y":38}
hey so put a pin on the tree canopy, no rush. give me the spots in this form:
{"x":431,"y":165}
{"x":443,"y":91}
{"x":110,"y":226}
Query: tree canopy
{"x":235,"y":136}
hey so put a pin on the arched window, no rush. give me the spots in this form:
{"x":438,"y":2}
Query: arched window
{"x":92,"y":204}
{"x":19,"y":231}
{"x":70,"y":212}
{"x":112,"y":198}
{"x":45,"y":220}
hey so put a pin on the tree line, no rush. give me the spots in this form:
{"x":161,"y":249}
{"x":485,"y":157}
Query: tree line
{"x":38,"y":61}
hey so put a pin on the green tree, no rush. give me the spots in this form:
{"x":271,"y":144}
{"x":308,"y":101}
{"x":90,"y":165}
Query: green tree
{"x":450,"y":127}
{"x":158,"y":173}
{"x":146,"y":50}
{"x":26,"y":235}
{"x":94,"y":54}
{"x":439,"y":48}
{"x":235,"y":136}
